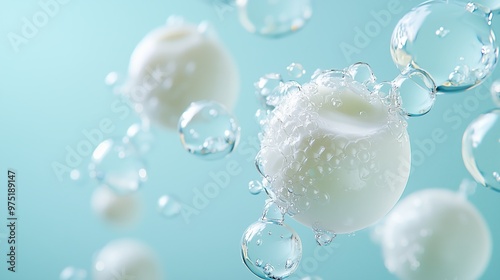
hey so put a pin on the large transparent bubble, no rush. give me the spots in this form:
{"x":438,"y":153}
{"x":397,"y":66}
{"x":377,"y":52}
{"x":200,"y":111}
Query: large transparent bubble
{"x":271,"y":250}
{"x":452,"y":41}
{"x":481,"y":149}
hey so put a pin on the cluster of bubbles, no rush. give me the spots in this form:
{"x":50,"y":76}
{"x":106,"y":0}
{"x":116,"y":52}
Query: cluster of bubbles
{"x":453,"y":41}
{"x":334,"y":150}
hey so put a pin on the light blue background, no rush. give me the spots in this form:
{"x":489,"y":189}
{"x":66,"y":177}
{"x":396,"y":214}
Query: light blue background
{"x":53,"y":88}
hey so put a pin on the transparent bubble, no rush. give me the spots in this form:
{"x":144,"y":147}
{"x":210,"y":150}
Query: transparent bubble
{"x":73,"y":273}
{"x":295,"y":70}
{"x":272,"y":212}
{"x":140,"y":136}
{"x":324,"y":237}
{"x":480,"y":147}
{"x":169,"y":206}
{"x":274,"y":18}
{"x":452,"y":41}
{"x":416,"y":92}
{"x":255,"y":187}
{"x":118,"y":165}
{"x":362,"y":73}
{"x":267,"y":86}
{"x":271,"y":250}
{"x":495,"y":92}
{"x":208,"y":130}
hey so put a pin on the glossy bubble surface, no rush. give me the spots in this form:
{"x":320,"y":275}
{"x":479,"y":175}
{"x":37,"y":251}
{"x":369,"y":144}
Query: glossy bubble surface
{"x":480,"y":145}
{"x":271,"y":250}
{"x":452,"y":41}
{"x":208,"y":130}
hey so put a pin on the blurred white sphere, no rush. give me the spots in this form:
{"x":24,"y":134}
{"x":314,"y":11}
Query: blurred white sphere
{"x":435,"y":234}
{"x":175,"y":65}
{"x":126,"y":259}
{"x":114,"y":209}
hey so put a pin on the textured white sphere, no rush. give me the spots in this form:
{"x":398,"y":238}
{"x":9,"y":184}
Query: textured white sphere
{"x":117,"y":210}
{"x":175,"y":65}
{"x":435,"y":234}
{"x":126,"y":259}
{"x":337,"y":157}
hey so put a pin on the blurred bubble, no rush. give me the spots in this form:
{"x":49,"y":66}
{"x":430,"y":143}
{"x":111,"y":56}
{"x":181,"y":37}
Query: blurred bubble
{"x":255,"y":187}
{"x":435,"y":234}
{"x":208,"y":130}
{"x":126,"y":259}
{"x":111,"y":79}
{"x":274,"y":18}
{"x":117,"y":165}
{"x":73,"y":273}
{"x":480,"y":147}
{"x":169,"y":206}
{"x":140,"y":136}
{"x":416,"y":92}
{"x":495,"y":92}
{"x":450,"y":40}
{"x":121,"y":210}
{"x":271,"y":250}
{"x":295,"y":70}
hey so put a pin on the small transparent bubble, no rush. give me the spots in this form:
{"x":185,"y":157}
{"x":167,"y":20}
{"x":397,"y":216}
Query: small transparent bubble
{"x":362,"y":73}
{"x":140,"y":136}
{"x":295,"y":70}
{"x":324,"y":237}
{"x":255,"y":187}
{"x":274,"y":18}
{"x":495,"y":92}
{"x":208,"y":130}
{"x":480,"y":141}
{"x":273,"y":212}
{"x":118,"y":165}
{"x":73,"y":273}
{"x":451,"y":40}
{"x":277,"y":255}
{"x":417,"y":92}
{"x":169,"y":206}
{"x":267,"y":88}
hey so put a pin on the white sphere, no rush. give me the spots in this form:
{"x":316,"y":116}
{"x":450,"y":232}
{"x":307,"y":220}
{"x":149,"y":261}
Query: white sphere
{"x":117,"y":210}
{"x":435,"y":234}
{"x":175,"y":65}
{"x":126,"y":259}
{"x":336,"y":156}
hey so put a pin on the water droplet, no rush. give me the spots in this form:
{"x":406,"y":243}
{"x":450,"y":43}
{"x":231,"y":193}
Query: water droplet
{"x":274,"y":18}
{"x":118,"y":165}
{"x":438,"y":36}
{"x":280,"y":252}
{"x":255,"y":187}
{"x":479,"y":143}
{"x":208,"y":130}
{"x":169,"y":206}
{"x":417,"y":92}
{"x":73,"y":273}
{"x":295,"y":70}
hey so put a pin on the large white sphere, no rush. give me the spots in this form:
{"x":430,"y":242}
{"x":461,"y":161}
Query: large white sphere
{"x":435,"y":234}
{"x":114,"y":209}
{"x":175,"y":65}
{"x":337,"y":157}
{"x":126,"y":259}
